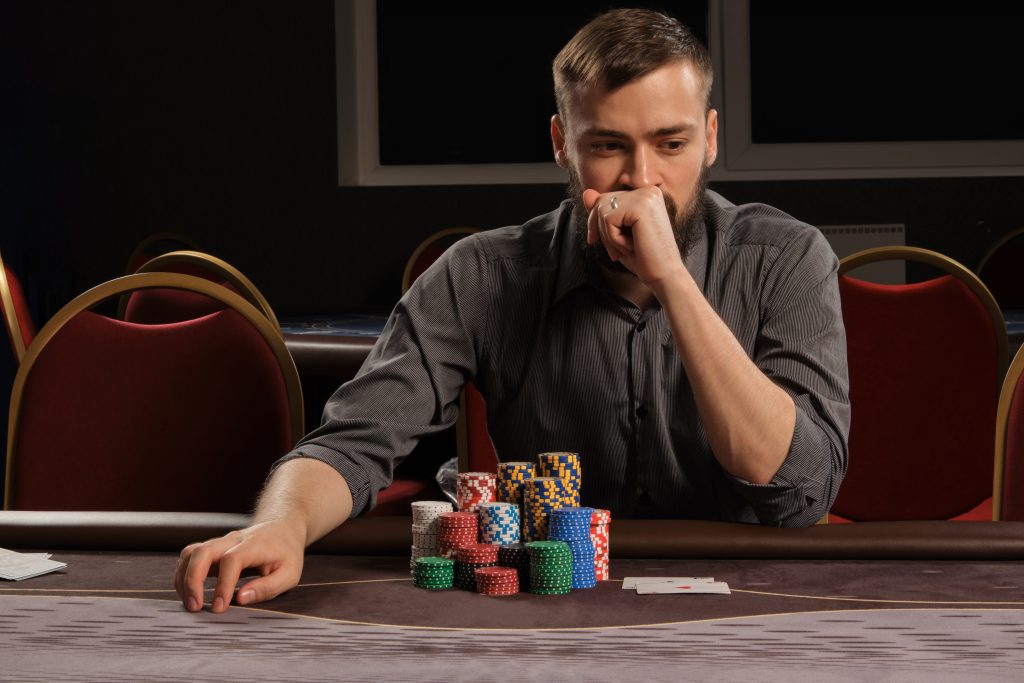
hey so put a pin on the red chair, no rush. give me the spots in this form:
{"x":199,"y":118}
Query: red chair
{"x":154,"y":306}
{"x":14,"y":311}
{"x":157,"y":244}
{"x":186,"y":416}
{"x":395,"y":499}
{"x":1008,"y":486}
{"x":926,"y":361}
{"x":1001,"y":267}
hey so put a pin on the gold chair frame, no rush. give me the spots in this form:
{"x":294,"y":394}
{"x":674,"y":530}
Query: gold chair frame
{"x":139,"y":281}
{"x":187,"y":242}
{"x":10,"y":315}
{"x":216,"y":266}
{"x":1002,"y":426}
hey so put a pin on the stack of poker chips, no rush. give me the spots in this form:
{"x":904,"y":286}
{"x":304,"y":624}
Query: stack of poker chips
{"x":474,"y":489}
{"x":497,"y":581}
{"x":543,"y":494}
{"x":572,"y":525}
{"x":599,"y":524}
{"x":512,"y":478}
{"x":434,"y":573}
{"x":455,"y":530}
{"x":516,"y":556}
{"x":499,"y":523}
{"x":425,"y":514}
{"x":550,"y":567}
{"x":565,"y":466}
{"x":471,"y":557}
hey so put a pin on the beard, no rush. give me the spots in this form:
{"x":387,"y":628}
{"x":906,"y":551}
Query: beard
{"x":686,"y":221}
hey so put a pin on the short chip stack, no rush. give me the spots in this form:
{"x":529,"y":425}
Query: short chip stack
{"x":455,"y":530}
{"x":512,"y":478}
{"x":550,"y":567}
{"x":543,"y":494}
{"x":425,"y":528}
{"x":434,"y":573}
{"x":499,"y":523}
{"x":516,"y":556}
{"x":564,"y":466}
{"x":497,"y":581}
{"x":473,"y":489}
{"x":599,"y":523}
{"x":572,"y":525}
{"x":471,"y":557}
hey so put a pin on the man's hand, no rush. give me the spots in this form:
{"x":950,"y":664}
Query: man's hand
{"x":275,"y":547}
{"x":637,"y":231}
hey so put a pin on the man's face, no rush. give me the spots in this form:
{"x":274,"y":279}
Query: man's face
{"x":651,"y":131}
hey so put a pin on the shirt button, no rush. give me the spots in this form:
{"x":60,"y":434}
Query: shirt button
{"x":641,"y":412}
{"x":642,"y":326}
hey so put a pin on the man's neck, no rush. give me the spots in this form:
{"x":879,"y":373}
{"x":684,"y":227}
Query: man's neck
{"x":628,"y":287}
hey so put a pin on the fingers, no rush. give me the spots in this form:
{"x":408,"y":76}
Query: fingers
{"x":590,"y":198}
{"x":194,"y":566}
{"x":280,"y":579}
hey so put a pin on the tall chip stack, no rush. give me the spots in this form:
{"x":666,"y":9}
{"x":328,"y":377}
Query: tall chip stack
{"x":600,"y":522}
{"x":473,"y":489}
{"x":572,"y":526}
{"x":565,"y":466}
{"x":499,"y":523}
{"x":543,"y":494}
{"x":512,"y":478}
{"x":455,"y":530}
{"x":425,"y":530}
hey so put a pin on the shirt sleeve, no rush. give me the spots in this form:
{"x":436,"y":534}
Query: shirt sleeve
{"x":802,"y":348}
{"x":409,"y":385}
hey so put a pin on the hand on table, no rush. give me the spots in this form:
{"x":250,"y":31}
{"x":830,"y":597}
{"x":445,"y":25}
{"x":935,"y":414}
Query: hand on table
{"x":276,"y":548}
{"x":638,"y":231}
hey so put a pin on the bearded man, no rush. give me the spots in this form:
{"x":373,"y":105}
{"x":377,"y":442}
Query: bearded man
{"x":692,"y":351}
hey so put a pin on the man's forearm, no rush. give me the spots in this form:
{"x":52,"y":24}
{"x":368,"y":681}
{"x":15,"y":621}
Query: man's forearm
{"x":307,"y":493}
{"x":749,"y":419}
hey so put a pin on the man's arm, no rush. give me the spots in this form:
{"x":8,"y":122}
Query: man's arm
{"x":303,"y":501}
{"x":749,"y":420}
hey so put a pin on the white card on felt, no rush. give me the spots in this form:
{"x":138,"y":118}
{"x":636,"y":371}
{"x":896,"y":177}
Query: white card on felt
{"x":632,"y":582}
{"x":17,"y":566}
{"x":718,"y":587}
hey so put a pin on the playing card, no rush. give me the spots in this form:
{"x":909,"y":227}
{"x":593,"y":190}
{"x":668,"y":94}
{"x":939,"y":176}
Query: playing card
{"x":17,"y":566}
{"x":632,"y":582}
{"x":683,"y":587}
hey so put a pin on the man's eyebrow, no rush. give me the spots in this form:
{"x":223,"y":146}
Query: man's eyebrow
{"x":659,"y":133}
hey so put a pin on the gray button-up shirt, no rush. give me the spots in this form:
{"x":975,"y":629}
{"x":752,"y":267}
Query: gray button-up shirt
{"x":566,"y":365}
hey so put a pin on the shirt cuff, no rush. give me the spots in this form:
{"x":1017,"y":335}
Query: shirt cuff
{"x":795,"y":495}
{"x":355,"y":475}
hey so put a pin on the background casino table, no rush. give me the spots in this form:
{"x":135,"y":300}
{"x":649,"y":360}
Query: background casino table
{"x":885,"y":601}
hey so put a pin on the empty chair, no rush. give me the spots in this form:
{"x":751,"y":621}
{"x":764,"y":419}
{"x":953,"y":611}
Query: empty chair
{"x":159,"y":306}
{"x":157,"y":244}
{"x":926,"y":361}
{"x":1001,"y":268}
{"x":114,"y":415}
{"x":1008,"y":488}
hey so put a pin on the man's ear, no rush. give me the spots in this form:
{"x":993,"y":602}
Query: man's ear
{"x":711,"y":130}
{"x":558,"y":141}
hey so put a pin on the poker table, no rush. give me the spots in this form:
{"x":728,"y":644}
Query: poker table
{"x":888,"y":601}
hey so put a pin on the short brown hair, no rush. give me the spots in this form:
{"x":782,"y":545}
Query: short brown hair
{"x":622,"y":45}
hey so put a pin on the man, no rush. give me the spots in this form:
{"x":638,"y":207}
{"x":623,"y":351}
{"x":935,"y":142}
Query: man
{"x":692,"y":351}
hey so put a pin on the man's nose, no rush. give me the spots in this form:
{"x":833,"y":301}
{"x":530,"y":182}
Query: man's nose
{"x":639,"y":170}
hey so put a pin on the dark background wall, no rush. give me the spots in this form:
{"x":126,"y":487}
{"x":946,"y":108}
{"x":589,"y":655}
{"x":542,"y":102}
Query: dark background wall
{"x":217,"y":120}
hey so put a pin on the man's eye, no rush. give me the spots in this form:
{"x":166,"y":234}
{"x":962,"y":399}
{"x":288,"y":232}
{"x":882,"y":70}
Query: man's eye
{"x":674,"y":145}
{"x":606,"y":146}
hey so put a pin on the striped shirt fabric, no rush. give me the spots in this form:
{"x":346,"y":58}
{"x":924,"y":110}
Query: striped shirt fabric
{"x":566,"y":365}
